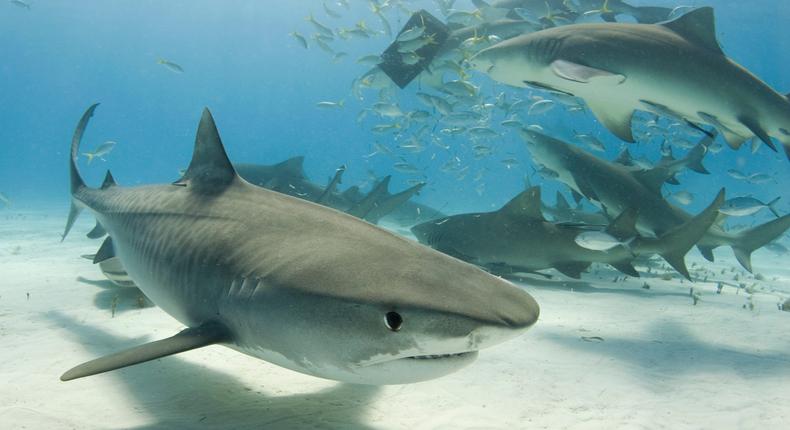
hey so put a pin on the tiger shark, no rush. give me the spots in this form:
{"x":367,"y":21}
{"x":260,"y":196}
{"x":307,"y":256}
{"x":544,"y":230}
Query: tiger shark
{"x":291,"y":282}
{"x":617,"y":188}
{"x":673,"y":68}
{"x":502,"y":241}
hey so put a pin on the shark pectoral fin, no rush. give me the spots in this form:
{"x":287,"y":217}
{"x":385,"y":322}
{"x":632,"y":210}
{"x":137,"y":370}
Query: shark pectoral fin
{"x":97,"y":232}
{"x":617,"y":120}
{"x":758,"y":131}
{"x":626,"y":267}
{"x":106,"y":251}
{"x":191,"y":338}
{"x":584,"y":74}
{"x":572,"y":269}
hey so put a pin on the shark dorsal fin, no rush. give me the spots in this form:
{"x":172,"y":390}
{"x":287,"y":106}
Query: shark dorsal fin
{"x":109,"y":181}
{"x":526,"y":204}
{"x":624,"y":226}
{"x":698,"y":27}
{"x":293,"y":166}
{"x":210,"y":168}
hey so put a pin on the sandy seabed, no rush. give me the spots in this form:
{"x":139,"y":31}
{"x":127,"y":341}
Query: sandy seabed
{"x":603,"y":355}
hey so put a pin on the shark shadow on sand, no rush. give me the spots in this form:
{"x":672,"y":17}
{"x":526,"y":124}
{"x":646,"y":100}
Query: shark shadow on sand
{"x":190,"y":395}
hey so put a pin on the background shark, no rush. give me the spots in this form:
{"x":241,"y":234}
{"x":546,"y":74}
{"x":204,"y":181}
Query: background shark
{"x":616,"y":189}
{"x":291,"y":282}
{"x":288,"y":177}
{"x":516,"y":238}
{"x":675,"y":68}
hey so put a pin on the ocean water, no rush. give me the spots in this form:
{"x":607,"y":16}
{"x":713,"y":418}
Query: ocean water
{"x":241,"y":60}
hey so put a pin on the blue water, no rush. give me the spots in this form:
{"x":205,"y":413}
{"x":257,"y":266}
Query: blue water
{"x":262,"y":87}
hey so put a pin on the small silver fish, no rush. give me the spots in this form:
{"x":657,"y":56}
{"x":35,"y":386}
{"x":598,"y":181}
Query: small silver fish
{"x":683,"y":197}
{"x":745,"y":206}
{"x":173,"y":67}
{"x":540,"y":107}
{"x":301,"y":39}
{"x":330,"y":105}
{"x":101,"y":151}
{"x":405,"y":167}
{"x":599,"y":241}
{"x":410,"y":34}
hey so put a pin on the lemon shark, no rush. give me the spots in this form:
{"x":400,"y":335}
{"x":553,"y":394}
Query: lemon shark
{"x":291,"y":282}
{"x":673,"y":68}
{"x":617,"y":188}
{"x":516,"y":238}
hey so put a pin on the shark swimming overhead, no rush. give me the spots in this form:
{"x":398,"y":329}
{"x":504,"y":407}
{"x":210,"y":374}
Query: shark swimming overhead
{"x":673,"y":68}
{"x":289,"y":281}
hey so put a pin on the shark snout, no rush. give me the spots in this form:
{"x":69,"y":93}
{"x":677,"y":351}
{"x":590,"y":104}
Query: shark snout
{"x":513,"y":312}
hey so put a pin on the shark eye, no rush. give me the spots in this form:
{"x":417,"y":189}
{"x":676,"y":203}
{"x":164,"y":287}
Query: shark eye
{"x":393,"y":321}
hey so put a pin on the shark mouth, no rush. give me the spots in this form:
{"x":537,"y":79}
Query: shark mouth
{"x":440,"y":356}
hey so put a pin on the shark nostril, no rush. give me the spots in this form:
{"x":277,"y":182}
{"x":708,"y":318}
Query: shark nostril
{"x":393,"y":320}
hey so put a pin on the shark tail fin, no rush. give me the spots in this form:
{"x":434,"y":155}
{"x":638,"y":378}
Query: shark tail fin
{"x":675,"y":244}
{"x":77,"y":183}
{"x":748,"y":241}
{"x":772,"y":206}
{"x":392,"y":63}
{"x":186,"y":340}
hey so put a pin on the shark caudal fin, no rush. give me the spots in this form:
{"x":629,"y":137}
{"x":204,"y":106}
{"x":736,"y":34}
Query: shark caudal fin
{"x":747,"y":241}
{"x":401,"y":67}
{"x":77,"y":183}
{"x":676,"y":243}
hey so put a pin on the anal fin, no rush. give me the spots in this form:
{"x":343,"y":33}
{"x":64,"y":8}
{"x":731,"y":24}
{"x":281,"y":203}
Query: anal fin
{"x":188,"y":339}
